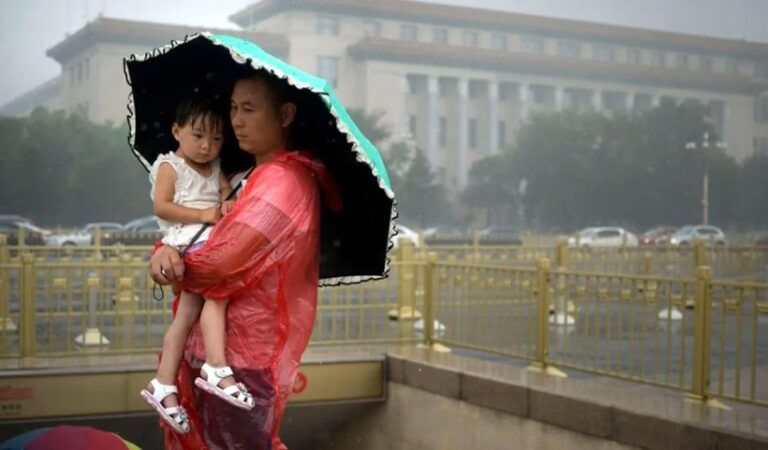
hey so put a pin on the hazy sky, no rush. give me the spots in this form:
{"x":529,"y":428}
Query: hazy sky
{"x":29,"y":27}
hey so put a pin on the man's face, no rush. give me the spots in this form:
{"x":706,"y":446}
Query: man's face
{"x":255,"y":119}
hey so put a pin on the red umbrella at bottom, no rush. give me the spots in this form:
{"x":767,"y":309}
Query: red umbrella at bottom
{"x":66,"y":437}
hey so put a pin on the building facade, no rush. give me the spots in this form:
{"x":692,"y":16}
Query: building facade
{"x":459,"y":81}
{"x":92,"y":79}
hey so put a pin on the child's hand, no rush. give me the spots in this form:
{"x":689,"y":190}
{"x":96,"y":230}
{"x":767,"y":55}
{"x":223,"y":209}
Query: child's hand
{"x":227,"y":207}
{"x":210,"y":215}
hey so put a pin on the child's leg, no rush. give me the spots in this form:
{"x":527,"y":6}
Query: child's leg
{"x":213,"y":325}
{"x":175,"y":340}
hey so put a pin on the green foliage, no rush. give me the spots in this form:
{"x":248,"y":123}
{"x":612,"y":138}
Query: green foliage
{"x":585,"y":169}
{"x":64,"y":170}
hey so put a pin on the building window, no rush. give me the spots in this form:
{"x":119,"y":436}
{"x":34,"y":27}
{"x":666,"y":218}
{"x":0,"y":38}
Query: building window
{"x":499,"y":42}
{"x":761,"y":110}
{"x":502,"y":134}
{"x":603,"y":53}
{"x":372,"y":28}
{"x":328,"y":69}
{"x":443,"y":87}
{"x":569,"y":49}
{"x":532,"y":45}
{"x":705,"y":63}
{"x":658,"y":58}
{"x":717,"y":117}
{"x":327,"y":26}
{"x":472,"y":131}
{"x":476,"y":89}
{"x":409,"y":32}
{"x":732,"y":66}
{"x":469,"y":39}
{"x":505,"y":91}
{"x":682,"y":60}
{"x":761,"y":71}
{"x":442,"y":132}
{"x":633,"y":55}
{"x":71,"y":75}
{"x":80,"y":71}
{"x":614,"y":100}
{"x":643,"y":102}
{"x":761,"y":146}
{"x":412,"y":125}
{"x":440,"y":35}
{"x":87,"y":68}
{"x":538,"y":95}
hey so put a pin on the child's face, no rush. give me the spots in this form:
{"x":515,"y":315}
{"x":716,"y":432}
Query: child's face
{"x":199,"y":140}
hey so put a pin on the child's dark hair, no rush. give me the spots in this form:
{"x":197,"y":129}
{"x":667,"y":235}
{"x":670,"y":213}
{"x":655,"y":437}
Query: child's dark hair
{"x":212,"y":114}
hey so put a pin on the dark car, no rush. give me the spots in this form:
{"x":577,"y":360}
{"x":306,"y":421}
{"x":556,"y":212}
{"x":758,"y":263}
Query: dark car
{"x":33,"y":235}
{"x":657,"y":236}
{"x":502,"y":235}
{"x":141,"y":231}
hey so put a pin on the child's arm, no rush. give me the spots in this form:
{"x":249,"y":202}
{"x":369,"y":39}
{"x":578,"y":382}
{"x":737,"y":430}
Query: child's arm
{"x":167,"y":210}
{"x":224,"y":190}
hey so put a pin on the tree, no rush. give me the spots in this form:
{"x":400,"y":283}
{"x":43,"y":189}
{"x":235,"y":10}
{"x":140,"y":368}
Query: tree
{"x":60,"y":169}
{"x":371,"y":125}
{"x":421,"y":199}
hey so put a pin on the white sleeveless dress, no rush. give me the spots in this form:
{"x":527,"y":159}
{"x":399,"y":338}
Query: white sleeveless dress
{"x":192,"y":191}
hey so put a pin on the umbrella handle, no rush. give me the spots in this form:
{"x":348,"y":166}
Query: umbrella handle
{"x":205,"y":226}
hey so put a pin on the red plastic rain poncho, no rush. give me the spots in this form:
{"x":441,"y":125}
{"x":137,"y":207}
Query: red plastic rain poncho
{"x":264,"y":257}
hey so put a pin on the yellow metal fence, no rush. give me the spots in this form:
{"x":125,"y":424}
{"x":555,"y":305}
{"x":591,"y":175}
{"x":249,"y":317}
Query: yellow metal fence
{"x":698,"y":333}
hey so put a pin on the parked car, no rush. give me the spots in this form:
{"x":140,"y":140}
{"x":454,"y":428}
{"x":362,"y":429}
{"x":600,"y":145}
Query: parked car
{"x":446,"y":235}
{"x":406,"y":233}
{"x":690,"y":234}
{"x":34,"y":235}
{"x":141,"y":231}
{"x":500,"y":235}
{"x":85,"y":235}
{"x":148,"y":223}
{"x":603,"y":237}
{"x":657,"y":236}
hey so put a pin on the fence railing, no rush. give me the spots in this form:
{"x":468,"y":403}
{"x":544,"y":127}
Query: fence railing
{"x":698,"y":334}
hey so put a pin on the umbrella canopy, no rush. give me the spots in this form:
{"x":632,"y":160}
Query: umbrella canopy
{"x":355,"y":240}
{"x":65,"y":437}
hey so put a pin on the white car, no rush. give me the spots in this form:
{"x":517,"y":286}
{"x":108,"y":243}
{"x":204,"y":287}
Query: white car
{"x":83,"y":237}
{"x":603,"y":237}
{"x":406,"y":233}
{"x":687,"y":235}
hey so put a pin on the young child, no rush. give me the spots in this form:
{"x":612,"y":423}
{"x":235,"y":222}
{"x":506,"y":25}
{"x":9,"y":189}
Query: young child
{"x":187,"y":191}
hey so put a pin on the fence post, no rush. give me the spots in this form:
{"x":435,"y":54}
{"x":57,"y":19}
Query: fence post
{"x":563,"y":254}
{"x":92,"y":336}
{"x":97,"y":236}
{"x":702,"y":338}
{"x":406,"y":304}
{"x":429,"y":306}
{"x":699,"y":255}
{"x":543,"y":273}
{"x":28,"y":306}
{"x":6,"y":323}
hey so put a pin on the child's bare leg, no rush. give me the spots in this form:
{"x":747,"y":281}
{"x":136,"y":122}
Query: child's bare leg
{"x":213,"y":326}
{"x":175,"y":340}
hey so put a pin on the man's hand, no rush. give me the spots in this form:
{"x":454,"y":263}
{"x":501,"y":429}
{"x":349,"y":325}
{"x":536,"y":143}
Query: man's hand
{"x":227,"y":207}
{"x":166,"y":266}
{"x":210,"y":215}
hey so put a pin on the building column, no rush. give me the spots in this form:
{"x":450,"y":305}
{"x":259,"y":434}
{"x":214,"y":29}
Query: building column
{"x":404,"y":114}
{"x":493,"y":118}
{"x":559,"y":98}
{"x":630,"y":101}
{"x":656,"y":100}
{"x":432,"y":120}
{"x":463,"y":144}
{"x":597,"y":100}
{"x":523,"y":95}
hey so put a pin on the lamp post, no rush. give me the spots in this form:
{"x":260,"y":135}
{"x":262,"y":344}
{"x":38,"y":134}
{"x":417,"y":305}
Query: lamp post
{"x":704,"y":145}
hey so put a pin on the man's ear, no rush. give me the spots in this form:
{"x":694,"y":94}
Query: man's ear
{"x":287,"y":114}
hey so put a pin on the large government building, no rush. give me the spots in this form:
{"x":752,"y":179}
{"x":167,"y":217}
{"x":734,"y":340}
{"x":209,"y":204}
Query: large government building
{"x":457,"y":81}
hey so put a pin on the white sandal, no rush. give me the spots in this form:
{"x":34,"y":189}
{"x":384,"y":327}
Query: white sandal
{"x":236,"y":395}
{"x":175,"y":416}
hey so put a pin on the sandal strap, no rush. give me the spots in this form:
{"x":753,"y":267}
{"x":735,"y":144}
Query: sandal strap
{"x":214,"y":375}
{"x":160,"y":391}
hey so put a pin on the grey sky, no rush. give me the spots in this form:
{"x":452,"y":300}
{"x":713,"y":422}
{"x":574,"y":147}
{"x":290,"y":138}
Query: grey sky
{"x":29,"y":27}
